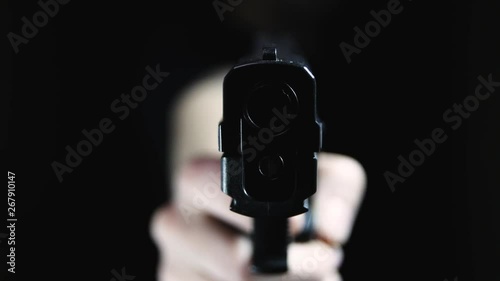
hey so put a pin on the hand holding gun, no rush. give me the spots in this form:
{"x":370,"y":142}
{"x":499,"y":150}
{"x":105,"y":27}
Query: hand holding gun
{"x":270,"y":138}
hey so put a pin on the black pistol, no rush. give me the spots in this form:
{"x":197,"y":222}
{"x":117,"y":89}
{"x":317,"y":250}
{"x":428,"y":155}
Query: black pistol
{"x":270,"y":136}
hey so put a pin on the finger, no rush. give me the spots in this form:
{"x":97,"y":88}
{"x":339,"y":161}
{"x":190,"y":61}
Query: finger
{"x":314,"y":259}
{"x":341,"y":185}
{"x":333,"y":276}
{"x":204,"y":250}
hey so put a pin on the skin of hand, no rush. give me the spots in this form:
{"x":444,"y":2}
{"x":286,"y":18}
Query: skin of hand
{"x":199,"y":238}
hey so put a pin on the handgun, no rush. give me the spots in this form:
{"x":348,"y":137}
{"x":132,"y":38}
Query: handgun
{"x":270,"y":135}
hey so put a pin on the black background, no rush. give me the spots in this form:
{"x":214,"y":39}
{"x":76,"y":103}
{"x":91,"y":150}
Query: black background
{"x":440,"y":223}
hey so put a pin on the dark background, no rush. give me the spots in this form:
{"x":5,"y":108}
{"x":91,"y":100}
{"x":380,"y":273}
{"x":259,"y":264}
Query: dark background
{"x":442,"y":222}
